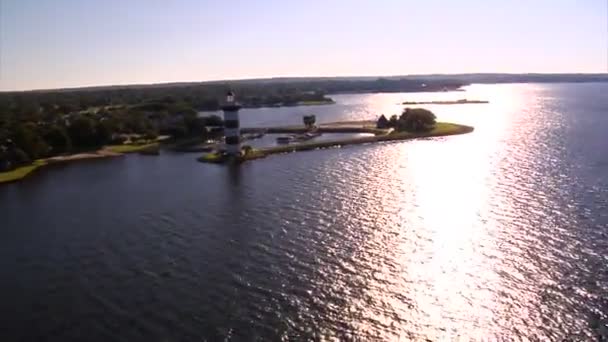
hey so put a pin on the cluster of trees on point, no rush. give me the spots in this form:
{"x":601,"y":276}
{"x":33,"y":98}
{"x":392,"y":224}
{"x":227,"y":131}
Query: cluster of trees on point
{"x":410,"y":120}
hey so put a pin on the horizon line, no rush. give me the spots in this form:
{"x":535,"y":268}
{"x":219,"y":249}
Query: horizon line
{"x":270,"y":78}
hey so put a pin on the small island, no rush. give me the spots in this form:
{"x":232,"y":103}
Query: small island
{"x":456,"y":102}
{"x":413,"y":123}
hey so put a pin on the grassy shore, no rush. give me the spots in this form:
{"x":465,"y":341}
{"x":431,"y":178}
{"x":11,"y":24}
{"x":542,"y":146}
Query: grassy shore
{"x":20,"y":172}
{"x":131,"y":148}
{"x":106,"y":152}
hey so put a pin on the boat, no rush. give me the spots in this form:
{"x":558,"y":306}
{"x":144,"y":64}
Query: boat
{"x":284,"y":139}
{"x":311,"y":135}
{"x":252,"y":136}
{"x":307,"y":136}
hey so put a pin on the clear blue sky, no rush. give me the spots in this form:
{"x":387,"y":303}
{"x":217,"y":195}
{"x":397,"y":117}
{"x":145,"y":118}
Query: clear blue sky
{"x":66,"y":43}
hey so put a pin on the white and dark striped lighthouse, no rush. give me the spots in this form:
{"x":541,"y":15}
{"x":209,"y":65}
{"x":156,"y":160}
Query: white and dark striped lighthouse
{"x":232,"y":132}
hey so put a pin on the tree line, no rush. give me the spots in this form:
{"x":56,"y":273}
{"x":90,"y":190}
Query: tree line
{"x":55,"y":130}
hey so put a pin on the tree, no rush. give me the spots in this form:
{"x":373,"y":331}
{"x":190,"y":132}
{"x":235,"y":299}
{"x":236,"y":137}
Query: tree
{"x":416,"y":119}
{"x":208,"y":104}
{"x":104,"y":131}
{"x":19,"y":157}
{"x":309,"y":121}
{"x":393,"y":121}
{"x":27,"y":139}
{"x":82,"y":132}
{"x":136,"y":122}
{"x":58,"y":139}
{"x":382,"y":122}
{"x":67,"y":108}
{"x":194,"y":125}
{"x":213,"y":120}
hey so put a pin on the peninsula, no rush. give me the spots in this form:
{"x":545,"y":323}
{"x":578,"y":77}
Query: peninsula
{"x":413,"y":123}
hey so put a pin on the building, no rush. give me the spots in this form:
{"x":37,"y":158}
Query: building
{"x":232,"y":132}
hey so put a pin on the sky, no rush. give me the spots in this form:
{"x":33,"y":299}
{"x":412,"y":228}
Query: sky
{"x":71,"y":43}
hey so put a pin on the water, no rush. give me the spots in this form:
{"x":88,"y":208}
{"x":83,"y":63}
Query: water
{"x":498,"y":234}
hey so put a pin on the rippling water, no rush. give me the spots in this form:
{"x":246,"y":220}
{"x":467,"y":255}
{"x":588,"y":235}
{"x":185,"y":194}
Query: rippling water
{"x":498,"y":234}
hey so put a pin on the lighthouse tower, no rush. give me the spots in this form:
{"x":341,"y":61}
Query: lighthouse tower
{"x":231,"y":125}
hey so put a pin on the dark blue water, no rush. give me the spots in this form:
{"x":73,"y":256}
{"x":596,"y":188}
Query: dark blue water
{"x":498,"y":234}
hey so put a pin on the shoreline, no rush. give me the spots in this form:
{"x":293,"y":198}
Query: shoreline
{"x":457,"y":102}
{"x":362,"y":126}
{"x":283,"y":105}
{"x":110,"y":151}
{"x":387,"y":91}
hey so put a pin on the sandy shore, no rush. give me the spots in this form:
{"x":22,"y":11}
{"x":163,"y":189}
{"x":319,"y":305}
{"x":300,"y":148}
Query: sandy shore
{"x":103,"y":153}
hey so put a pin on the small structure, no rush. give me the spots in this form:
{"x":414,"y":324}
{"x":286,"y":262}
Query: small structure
{"x":382,"y":122}
{"x":231,"y":125}
{"x":309,"y":121}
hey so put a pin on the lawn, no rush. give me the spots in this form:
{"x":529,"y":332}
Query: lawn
{"x":129,"y":148}
{"x":447,"y":128}
{"x":315,"y":103}
{"x":20,"y":172}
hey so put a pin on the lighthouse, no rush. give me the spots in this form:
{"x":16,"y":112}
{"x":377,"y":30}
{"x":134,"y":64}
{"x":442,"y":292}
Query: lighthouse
{"x":231,"y":125}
